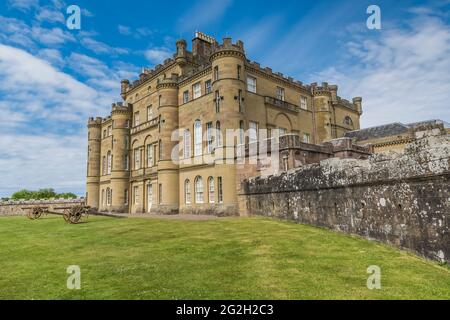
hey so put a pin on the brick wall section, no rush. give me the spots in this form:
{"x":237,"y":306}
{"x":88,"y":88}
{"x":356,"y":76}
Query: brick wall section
{"x":399,"y":198}
{"x":14,"y":208}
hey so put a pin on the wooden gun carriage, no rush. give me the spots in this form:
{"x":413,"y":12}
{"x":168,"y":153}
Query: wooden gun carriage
{"x":72,"y":214}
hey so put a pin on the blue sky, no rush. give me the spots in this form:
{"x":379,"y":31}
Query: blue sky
{"x":52,"y":78}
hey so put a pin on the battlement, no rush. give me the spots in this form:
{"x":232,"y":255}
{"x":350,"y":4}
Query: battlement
{"x":94,"y":121}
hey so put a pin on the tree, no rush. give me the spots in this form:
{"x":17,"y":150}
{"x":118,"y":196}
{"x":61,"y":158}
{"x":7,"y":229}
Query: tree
{"x":45,"y":193}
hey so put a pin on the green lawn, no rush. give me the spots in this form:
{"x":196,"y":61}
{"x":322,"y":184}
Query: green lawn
{"x":246,"y":258}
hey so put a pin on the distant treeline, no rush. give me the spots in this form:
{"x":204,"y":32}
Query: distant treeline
{"x":41,"y":194}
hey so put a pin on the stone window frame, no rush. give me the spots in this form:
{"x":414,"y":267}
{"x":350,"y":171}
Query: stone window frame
{"x":187,"y":191}
{"x":252,"y":87}
{"x":219,"y":190}
{"x":186,"y":96}
{"x":199,"y":190}
{"x":211,"y":190}
{"x":196,"y":90}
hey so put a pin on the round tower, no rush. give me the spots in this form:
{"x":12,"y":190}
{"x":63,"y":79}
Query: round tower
{"x":168,"y":185}
{"x":322,"y":98}
{"x":120,"y":174}
{"x":229,"y":89}
{"x":93,"y":165}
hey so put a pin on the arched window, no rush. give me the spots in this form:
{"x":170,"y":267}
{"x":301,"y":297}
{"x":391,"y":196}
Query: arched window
{"x":348,"y":121}
{"x":104,"y":165}
{"x":187,"y":144}
{"x":187,"y":191}
{"x":108,"y":197}
{"x":197,"y":138}
{"x":199,"y":190}
{"x":211,"y":190}
{"x":109,"y":159}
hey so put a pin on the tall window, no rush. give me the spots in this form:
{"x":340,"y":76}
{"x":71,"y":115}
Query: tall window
{"x":239,"y":71}
{"x":160,"y":144}
{"x":217,"y":100}
{"x":280,"y":93}
{"x":216,"y":73}
{"x":150,"y":159}
{"x":187,"y":191}
{"x":108,"y":197}
{"x":186,"y":96}
{"x":199,"y":190}
{"x":109,"y":159}
{"x":187,"y":144}
{"x":125,"y":197}
{"x":197,"y":138}
{"x":126,"y":162}
{"x":303,"y":103}
{"x":218,"y":134}
{"x":251,"y":84}
{"x":136,"y":195}
{"x":240,"y":100}
{"x":104,"y":133}
{"x":159,"y":100}
{"x":197,"y":90}
{"x":211,"y":190}
{"x":209,"y":137}
{"x":136,"y":118}
{"x":219,"y":190}
{"x":103,"y":197}
{"x":149,"y":113}
{"x":241,"y":132}
{"x":104,"y":165}
{"x":253,"y":131}
{"x":306,"y":137}
{"x":160,"y":193}
{"x":127,"y":123}
{"x":137,"y":159}
{"x":208,"y":88}
{"x":109,"y":131}
{"x":149,"y":196}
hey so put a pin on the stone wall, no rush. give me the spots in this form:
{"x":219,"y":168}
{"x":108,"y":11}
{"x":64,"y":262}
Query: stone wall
{"x":16,"y":208}
{"x":399,"y":198}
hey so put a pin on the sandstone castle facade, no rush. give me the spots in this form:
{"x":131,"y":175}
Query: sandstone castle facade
{"x":201,"y":94}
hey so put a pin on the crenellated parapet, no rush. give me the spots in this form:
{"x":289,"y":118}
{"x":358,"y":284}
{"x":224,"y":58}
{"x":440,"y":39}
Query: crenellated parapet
{"x":228,"y":48}
{"x":167,"y":82}
{"x":95,"y":122}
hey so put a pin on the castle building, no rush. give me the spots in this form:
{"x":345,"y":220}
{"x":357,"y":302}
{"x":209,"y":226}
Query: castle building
{"x":196,"y":97}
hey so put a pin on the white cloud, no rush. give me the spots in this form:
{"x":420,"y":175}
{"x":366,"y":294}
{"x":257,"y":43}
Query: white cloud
{"x":101,"y":47}
{"x":138,"y":33}
{"x":402,"y":74}
{"x":124,"y":30}
{"x":202,"y":13}
{"x":50,"y":15}
{"x":23,"y":5}
{"x":53,"y":56}
{"x":157,"y":55}
{"x":54,"y":36}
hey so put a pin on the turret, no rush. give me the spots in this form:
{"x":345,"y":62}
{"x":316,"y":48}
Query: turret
{"x":124,"y":85}
{"x":322,"y":97}
{"x":93,"y":165}
{"x":357,"y":101}
{"x":180,"y":56}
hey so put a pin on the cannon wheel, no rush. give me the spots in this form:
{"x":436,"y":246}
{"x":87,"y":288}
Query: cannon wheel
{"x":74,"y":214}
{"x":35,"y":213}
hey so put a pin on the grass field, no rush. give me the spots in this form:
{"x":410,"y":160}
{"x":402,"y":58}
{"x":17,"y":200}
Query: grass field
{"x":246,"y":258}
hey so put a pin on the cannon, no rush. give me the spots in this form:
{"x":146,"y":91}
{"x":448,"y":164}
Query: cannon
{"x":72,"y":215}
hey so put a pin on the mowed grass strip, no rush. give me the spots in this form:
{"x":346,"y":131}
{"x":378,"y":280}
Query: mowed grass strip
{"x":231,"y":258}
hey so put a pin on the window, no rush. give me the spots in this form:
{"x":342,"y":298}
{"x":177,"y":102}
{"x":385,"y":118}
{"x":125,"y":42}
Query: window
{"x":187,"y":191}
{"x":160,"y":144}
{"x":211,"y":189}
{"x":159,"y":100}
{"x":216,"y":73}
{"x":126,"y":162}
{"x":240,"y":101}
{"x":103,"y":197}
{"x":217,"y":100}
{"x":209,"y":137}
{"x":109,"y":131}
{"x":187,"y":144}
{"x":186,"y":96}
{"x":218,"y":134}
{"x":239,"y":71}
{"x":253,"y":131}
{"x":197,"y":90}
{"x":150,"y":161}
{"x":280,"y":93}
{"x":136,"y":195}
{"x":199,"y":190}
{"x":303,"y":103}
{"x":219,"y":190}
{"x":160,"y":193}
{"x":136,"y":118}
{"x":149,"y":113}
{"x":306,"y":137}
{"x":104,"y":165}
{"x":149,"y":196}
{"x":104,"y":133}
{"x":125,"y":197}
{"x":127,"y":124}
{"x":197,"y":138}
{"x":109,"y":159}
{"x":137,"y":159}
{"x":251,"y":84}
{"x":348,"y":121}
{"x":108,"y":196}
{"x":241,"y":132}
{"x":208,"y":88}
